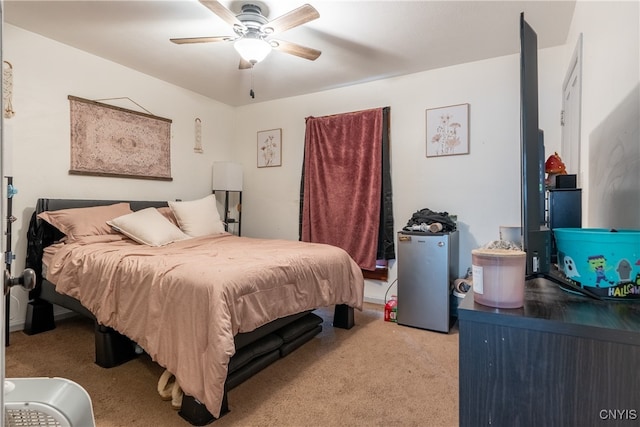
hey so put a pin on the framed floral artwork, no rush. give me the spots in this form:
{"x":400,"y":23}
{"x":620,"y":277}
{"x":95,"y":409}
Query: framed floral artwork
{"x":270,"y":148}
{"x":448,"y":130}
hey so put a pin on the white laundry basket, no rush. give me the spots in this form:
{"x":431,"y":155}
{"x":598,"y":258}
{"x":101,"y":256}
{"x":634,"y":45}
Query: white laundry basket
{"x":46,"y":402}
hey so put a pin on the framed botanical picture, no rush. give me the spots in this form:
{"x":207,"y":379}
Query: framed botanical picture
{"x":270,"y":148}
{"x":448,"y":130}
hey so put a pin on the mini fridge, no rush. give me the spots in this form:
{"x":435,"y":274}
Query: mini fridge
{"x":427,"y":265}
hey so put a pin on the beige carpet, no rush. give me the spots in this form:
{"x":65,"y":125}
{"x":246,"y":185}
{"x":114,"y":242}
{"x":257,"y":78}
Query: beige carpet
{"x":377,"y":373}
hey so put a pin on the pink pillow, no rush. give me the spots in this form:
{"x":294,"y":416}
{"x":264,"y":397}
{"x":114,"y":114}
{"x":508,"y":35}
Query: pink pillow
{"x":168,"y":213}
{"x":80,"y":222}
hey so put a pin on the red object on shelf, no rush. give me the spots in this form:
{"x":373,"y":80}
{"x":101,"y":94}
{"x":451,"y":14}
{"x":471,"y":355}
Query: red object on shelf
{"x":391,"y":309}
{"x":554,"y":164}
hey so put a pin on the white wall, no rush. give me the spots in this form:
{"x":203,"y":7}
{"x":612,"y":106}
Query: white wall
{"x":610,"y":110}
{"x":481,"y":188}
{"x":38,"y":136}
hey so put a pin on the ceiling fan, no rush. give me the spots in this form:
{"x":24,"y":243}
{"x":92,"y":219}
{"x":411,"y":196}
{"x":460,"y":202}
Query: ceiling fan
{"x":253,"y":31}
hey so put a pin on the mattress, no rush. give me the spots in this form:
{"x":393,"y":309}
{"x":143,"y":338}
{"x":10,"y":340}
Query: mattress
{"x":47,"y":255}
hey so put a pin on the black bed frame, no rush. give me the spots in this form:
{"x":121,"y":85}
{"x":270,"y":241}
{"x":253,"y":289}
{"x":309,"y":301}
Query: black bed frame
{"x":254,"y":350}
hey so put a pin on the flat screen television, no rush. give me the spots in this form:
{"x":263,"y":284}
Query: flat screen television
{"x":536,"y":237}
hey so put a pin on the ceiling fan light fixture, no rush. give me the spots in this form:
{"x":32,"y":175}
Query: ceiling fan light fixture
{"x":252,"y":50}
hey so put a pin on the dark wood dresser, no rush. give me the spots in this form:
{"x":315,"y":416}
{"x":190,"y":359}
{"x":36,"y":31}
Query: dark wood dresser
{"x":561,"y":360}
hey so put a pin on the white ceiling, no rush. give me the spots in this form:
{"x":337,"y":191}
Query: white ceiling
{"x":360,"y":40}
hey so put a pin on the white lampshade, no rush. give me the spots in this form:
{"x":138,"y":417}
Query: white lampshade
{"x":252,"y":49}
{"x":227,"y":176}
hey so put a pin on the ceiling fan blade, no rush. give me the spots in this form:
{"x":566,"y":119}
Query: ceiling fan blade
{"x":187,"y":40}
{"x":296,"y":17}
{"x":244,"y":64}
{"x":225,"y":14}
{"x":295,"y":49}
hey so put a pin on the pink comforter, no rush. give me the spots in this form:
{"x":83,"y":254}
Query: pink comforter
{"x":184,"y":302}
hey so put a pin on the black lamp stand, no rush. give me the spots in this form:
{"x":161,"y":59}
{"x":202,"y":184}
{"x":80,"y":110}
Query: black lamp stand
{"x":228,"y":220}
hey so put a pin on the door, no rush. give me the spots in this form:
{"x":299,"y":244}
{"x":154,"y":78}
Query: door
{"x":27,"y":279}
{"x":2,"y":239}
{"x":571,"y":112}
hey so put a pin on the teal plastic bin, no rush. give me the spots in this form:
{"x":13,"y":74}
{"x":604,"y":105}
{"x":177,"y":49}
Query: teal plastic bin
{"x":605,"y":262}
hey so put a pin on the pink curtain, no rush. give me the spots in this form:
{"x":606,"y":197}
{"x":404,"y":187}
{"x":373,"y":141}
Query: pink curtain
{"x":342,"y":183}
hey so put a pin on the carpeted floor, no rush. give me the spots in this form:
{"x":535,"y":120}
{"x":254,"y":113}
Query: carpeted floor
{"x":377,"y":373}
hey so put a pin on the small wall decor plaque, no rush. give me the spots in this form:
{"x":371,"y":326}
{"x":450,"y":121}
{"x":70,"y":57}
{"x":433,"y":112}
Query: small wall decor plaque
{"x":197,"y":148}
{"x":448,"y":130}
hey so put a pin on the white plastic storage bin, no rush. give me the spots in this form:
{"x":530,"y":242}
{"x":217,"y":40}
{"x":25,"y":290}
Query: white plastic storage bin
{"x":47,"y":402}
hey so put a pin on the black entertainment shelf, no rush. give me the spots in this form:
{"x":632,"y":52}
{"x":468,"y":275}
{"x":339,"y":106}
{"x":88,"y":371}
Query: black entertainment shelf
{"x":559,"y":360}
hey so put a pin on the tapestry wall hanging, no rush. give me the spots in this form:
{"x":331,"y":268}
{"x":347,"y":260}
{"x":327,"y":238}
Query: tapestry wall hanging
{"x":113,"y":141}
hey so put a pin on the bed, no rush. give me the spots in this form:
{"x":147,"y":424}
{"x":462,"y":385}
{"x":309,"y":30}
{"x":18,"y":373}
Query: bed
{"x":213,"y":309}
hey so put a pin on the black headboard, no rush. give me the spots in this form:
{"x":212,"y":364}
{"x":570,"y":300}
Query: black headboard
{"x":41,"y":234}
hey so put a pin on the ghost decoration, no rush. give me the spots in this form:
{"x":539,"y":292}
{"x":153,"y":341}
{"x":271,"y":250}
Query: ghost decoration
{"x":570,"y":269}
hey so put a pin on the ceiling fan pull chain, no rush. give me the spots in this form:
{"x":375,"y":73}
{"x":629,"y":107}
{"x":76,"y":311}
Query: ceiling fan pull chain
{"x":252,"y":94}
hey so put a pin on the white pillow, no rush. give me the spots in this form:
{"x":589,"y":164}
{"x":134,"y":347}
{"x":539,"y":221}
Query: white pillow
{"x":147,"y":226}
{"x":198,"y":217}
